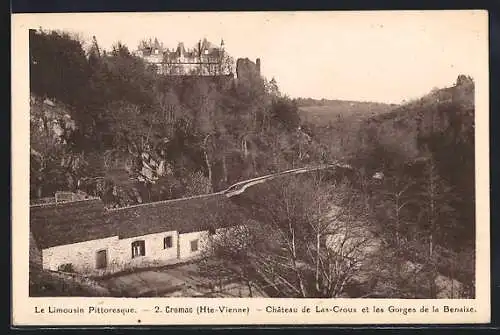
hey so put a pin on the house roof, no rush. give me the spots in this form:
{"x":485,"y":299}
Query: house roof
{"x":67,"y":223}
{"x":184,"y":215}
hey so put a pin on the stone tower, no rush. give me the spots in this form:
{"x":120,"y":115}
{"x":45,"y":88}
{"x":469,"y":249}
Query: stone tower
{"x":245,"y":68}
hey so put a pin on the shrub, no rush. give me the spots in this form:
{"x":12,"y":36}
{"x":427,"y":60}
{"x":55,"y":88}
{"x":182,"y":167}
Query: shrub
{"x":67,"y":267}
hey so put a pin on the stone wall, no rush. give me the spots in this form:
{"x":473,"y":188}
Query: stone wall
{"x":185,"y":243}
{"x":82,"y":256}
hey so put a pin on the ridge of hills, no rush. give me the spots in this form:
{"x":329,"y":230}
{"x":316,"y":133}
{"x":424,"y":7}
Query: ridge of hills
{"x":350,"y":126}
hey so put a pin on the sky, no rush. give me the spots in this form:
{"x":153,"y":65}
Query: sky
{"x":365,"y":56}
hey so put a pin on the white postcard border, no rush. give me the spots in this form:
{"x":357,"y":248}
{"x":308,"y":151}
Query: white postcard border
{"x":25,"y":308}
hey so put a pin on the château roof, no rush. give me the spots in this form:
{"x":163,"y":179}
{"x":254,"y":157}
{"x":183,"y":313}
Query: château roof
{"x":202,"y":48}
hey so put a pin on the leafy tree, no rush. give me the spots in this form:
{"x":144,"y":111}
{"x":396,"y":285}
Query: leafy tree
{"x":272,"y":88}
{"x":58,"y":66}
{"x":227,"y":65}
{"x":285,"y":112}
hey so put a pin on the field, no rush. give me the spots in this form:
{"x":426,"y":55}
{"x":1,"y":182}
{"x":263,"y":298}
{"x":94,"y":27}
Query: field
{"x":321,"y":113}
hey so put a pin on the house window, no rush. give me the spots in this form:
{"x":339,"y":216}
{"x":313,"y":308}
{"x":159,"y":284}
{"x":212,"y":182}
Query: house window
{"x":138,"y":249}
{"x":194,"y":245}
{"x":101,"y":259}
{"x":167,"y":242}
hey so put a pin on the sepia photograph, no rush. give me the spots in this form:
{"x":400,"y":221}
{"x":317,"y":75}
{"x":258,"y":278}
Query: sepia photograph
{"x":254,"y":155}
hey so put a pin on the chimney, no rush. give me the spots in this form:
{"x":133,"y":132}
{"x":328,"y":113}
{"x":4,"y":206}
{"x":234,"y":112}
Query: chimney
{"x":257,"y":64}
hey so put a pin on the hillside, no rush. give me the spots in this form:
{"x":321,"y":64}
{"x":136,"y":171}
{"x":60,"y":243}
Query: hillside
{"x":335,"y":124}
{"x":129,"y":135}
{"x":322,"y":112}
{"x":442,"y":113}
{"x":426,"y":149}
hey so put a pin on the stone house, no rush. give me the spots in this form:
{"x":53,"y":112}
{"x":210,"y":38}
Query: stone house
{"x":84,"y":237}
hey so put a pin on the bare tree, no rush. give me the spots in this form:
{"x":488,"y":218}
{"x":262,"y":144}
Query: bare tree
{"x":307,"y":237}
{"x":436,"y":214}
{"x":344,"y":241}
{"x":393,"y":201}
{"x":208,"y":149}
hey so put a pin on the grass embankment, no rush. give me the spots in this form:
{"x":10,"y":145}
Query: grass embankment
{"x":44,"y":283}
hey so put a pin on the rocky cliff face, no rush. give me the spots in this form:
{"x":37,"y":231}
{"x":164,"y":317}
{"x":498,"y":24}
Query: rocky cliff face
{"x":52,"y":119}
{"x":56,"y":167}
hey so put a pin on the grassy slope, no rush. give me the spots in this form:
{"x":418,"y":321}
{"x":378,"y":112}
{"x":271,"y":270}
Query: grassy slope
{"x":322,"y":112}
{"x":336,"y":123}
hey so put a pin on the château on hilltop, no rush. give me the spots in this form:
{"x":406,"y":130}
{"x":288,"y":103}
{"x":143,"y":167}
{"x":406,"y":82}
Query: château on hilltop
{"x":203,"y":59}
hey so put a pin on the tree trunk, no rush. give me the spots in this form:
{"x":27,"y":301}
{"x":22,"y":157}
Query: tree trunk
{"x":297,"y":271}
{"x":432,"y":216}
{"x":209,"y":166}
{"x":317,"y":262}
{"x":249,"y":284}
{"x":433,"y":289}
{"x":430,"y":247}
{"x":224,"y":169}
{"x":397,"y":222}
{"x":431,"y":244}
{"x":244,"y":146}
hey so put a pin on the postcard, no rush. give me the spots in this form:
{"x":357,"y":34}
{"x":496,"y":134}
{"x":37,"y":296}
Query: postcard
{"x":239,"y":168}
